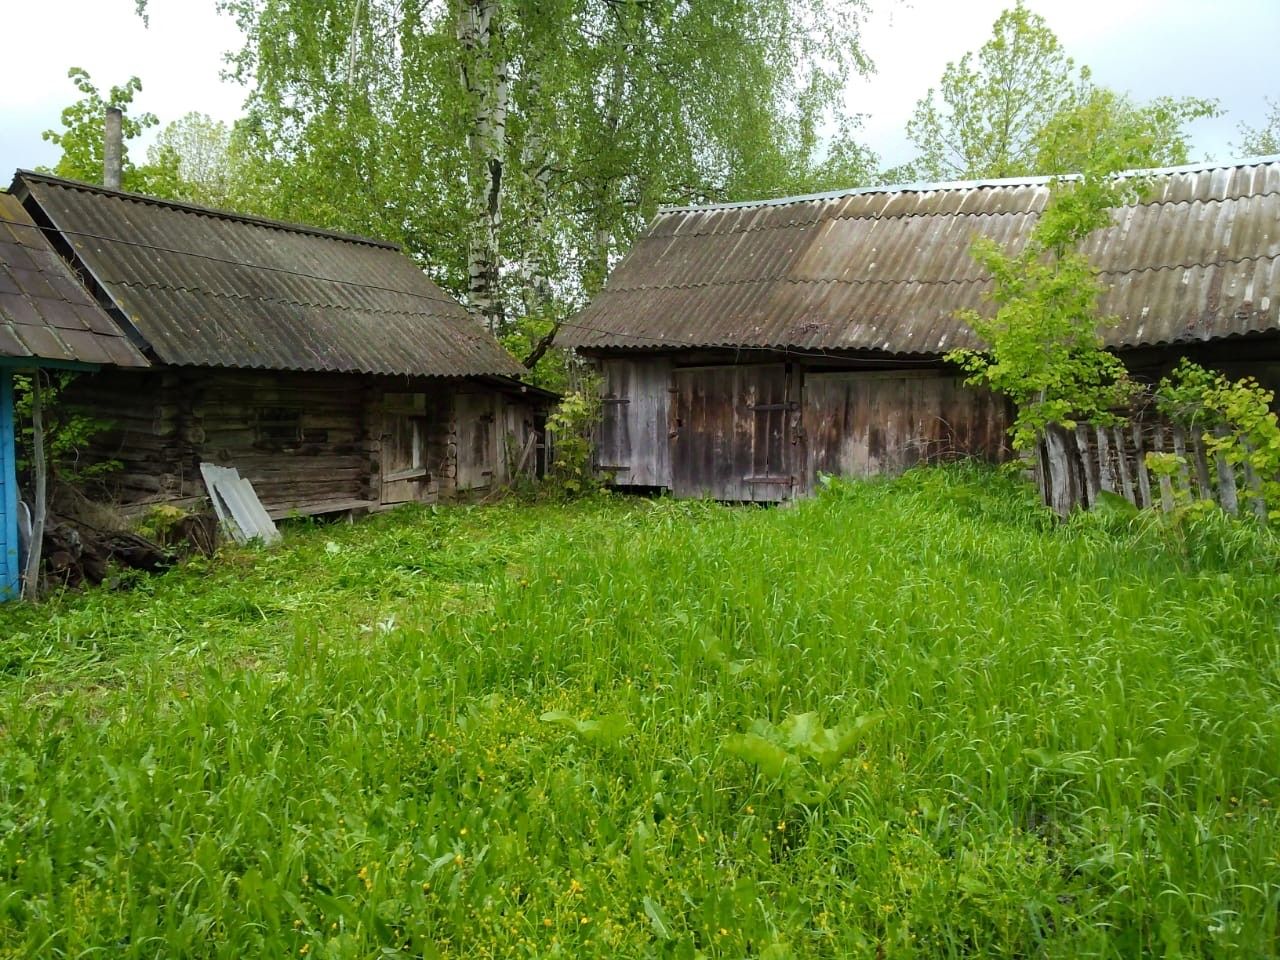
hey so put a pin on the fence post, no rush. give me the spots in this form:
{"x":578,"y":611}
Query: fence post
{"x":1226,"y":478}
{"x":1122,"y":463}
{"x":1254,"y":483}
{"x":1062,"y":487}
{"x":1144,"y":479}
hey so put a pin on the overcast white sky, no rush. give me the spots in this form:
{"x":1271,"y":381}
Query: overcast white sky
{"x":1224,"y":49}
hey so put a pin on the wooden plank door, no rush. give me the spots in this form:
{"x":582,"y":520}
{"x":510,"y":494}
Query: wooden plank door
{"x":731,"y":433}
{"x":404,"y":463}
{"x":477,"y":440}
{"x":633,"y":445}
{"x":765,"y":432}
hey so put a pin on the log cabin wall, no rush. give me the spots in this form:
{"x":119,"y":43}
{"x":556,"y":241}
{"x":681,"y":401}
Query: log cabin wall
{"x":309,"y":442}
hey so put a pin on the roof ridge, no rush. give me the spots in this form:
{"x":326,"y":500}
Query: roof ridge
{"x":921,"y":215}
{"x":933,"y":283}
{"x":201,"y":210}
{"x":925,"y":186}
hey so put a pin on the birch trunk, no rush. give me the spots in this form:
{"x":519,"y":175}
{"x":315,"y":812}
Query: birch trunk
{"x":535,"y":265}
{"x":485,"y":80}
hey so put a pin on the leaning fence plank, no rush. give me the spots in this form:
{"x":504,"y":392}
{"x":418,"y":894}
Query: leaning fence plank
{"x":1140,"y":465}
{"x":1255,"y":484}
{"x":1201,"y":464}
{"x":1088,"y":464}
{"x":1184,"y":469}
{"x":1122,"y":464}
{"x":1226,"y":478}
{"x":1160,"y":444}
{"x":1106,"y":472}
{"x":1061,"y":491}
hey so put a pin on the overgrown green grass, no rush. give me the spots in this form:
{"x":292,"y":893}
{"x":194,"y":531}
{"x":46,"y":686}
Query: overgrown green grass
{"x":906,"y":719}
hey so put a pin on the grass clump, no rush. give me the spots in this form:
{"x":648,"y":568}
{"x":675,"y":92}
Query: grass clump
{"x":909,"y":718}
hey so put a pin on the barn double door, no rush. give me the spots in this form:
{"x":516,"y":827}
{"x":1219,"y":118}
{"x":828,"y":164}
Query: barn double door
{"x":734,"y":433}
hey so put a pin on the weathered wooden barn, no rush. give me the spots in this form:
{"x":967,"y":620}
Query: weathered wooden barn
{"x":47,"y":321}
{"x":747,"y":348}
{"x":328,"y":369}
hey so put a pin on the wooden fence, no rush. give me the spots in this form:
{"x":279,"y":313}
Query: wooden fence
{"x":1074,"y":466}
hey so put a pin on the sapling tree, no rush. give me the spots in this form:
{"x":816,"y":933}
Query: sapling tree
{"x":1043,"y":346}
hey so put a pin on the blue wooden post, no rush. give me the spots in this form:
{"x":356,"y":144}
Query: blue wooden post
{"x":8,"y":490}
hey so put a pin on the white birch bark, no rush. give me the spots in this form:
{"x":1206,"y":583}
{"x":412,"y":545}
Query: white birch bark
{"x":485,"y":78}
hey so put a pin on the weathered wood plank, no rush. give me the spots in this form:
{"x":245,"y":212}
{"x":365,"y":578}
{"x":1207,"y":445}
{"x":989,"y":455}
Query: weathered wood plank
{"x":1140,"y":465}
{"x":1227,"y":498}
{"x":1088,"y":465}
{"x":1106,"y":469}
{"x":1123,"y":466}
{"x":1254,"y":484}
{"x":1200,"y":463}
{"x":1063,"y":491}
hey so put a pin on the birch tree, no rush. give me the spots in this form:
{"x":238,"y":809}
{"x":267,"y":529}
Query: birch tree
{"x":1263,"y":141}
{"x":516,"y":146}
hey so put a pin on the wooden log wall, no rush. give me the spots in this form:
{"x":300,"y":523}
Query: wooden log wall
{"x":309,"y":442}
{"x":299,"y":438}
{"x":147,"y":418}
{"x":1074,"y":468}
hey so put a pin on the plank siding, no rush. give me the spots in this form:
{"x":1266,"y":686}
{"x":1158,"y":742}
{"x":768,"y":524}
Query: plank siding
{"x":865,"y":423}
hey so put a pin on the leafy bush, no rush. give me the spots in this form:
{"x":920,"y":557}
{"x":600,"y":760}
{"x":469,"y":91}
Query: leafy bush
{"x":1236,"y":419}
{"x":572,"y":427}
{"x":67,"y":431}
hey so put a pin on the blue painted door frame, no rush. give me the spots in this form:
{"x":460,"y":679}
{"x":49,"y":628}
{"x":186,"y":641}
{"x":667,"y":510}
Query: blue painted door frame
{"x":8,"y":490}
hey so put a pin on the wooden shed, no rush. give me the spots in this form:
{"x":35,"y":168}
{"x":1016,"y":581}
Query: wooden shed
{"x":748,"y":348}
{"x":47,"y":321}
{"x":328,"y":369}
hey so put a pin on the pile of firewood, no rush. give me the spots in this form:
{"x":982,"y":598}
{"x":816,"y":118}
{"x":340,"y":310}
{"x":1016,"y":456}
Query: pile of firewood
{"x":87,"y":543}
{"x":76,"y":554}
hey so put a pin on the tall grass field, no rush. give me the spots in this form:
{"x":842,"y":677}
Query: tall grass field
{"x":904,"y":719}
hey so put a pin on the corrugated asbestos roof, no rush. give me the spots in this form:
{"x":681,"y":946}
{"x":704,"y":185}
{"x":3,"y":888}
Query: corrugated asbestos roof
{"x":886,"y":268}
{"x":45,"y":312}
{"x":209,"y":288}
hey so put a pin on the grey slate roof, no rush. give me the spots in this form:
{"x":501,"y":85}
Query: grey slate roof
{"x":45,"y":312}
{"x":886,"y":268}
{"x":210,"y":288}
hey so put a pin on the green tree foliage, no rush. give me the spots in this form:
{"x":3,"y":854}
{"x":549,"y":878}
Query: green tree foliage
{"x":516,"y":147}
{"x":1044,"y":350}
{"x":1263,"y":141}
{"x":1129,"y":135}
{"x":197,"y":151}
{"x":1022,"y":106}
{"x":81,"y":138}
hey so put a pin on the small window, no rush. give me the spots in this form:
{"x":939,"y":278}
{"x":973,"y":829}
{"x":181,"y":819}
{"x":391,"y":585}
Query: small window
{"x":278,"y":428}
